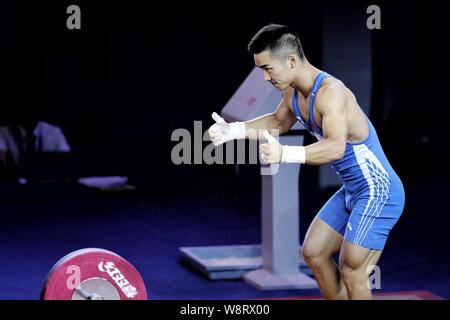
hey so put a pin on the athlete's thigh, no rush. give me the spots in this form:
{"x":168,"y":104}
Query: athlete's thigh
{"x":325,"y":234}
{"x":321,"y":240}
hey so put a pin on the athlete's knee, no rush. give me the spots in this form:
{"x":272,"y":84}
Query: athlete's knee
{"x":354,"y":278}
{"x":313,"y":255}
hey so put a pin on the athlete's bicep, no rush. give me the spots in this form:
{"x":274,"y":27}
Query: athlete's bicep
{"x":332,"y":106}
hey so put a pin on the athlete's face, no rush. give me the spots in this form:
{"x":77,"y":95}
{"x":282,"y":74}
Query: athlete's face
{"x":277,"y":72}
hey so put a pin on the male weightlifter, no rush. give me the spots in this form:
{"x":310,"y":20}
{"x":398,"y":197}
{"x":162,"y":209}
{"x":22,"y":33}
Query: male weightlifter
{"x":357,"y":219}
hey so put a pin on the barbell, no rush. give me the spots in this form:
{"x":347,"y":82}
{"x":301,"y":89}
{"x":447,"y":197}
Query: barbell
{"x":93,"y":274}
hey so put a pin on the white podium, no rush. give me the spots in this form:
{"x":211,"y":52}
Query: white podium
{"x":281,"y":228}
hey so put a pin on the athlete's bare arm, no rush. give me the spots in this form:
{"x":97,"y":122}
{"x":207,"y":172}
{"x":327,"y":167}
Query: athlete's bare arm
{"x":282,"y":119}
{"x":331,"y":104}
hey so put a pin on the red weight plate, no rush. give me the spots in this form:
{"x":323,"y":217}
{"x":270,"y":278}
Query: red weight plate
{"x":84,"y":264}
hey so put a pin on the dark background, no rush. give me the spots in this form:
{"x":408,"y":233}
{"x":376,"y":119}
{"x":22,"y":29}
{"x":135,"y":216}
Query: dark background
{"x":136,"y":71}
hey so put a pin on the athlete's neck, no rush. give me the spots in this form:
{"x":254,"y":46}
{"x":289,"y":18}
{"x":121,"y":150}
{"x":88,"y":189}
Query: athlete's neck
{"x":306,"y":75}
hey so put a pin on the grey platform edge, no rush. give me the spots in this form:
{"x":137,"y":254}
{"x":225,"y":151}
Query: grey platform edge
{"x":228,"y":262}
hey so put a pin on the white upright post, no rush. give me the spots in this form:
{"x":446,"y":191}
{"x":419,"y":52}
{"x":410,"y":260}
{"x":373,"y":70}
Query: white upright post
{"x":280,"y":228}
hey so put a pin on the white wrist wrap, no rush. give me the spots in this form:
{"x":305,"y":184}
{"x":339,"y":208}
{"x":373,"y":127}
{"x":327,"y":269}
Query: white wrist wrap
{"x":293,"y":154}
{"x":237,"y":130}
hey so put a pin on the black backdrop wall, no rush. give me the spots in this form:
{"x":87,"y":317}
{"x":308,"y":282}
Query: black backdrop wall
{"x":138,"y":70}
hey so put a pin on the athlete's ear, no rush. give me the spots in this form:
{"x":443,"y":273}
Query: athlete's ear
{"x":291,"y":61}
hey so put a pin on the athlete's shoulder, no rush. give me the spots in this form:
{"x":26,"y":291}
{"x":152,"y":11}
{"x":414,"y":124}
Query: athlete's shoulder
{"x":330,"y":86}
{"x":332,"y":92}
